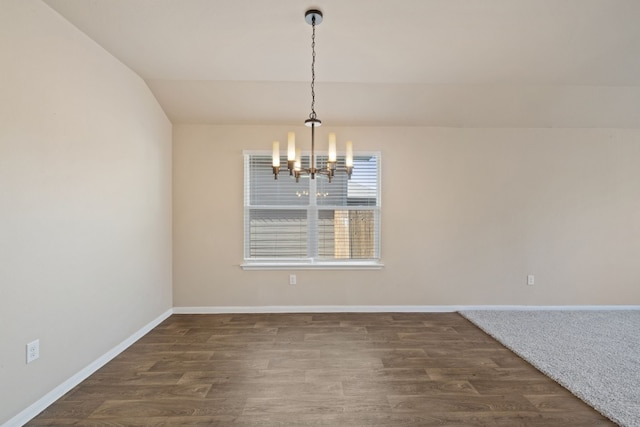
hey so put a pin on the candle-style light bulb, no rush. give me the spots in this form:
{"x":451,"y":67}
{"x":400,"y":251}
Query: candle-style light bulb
{"x":298,"y":162}
{"x":291,"y":146}
{"x":349,"y":157}
{"x":276,"y":154}
{"x":297,"y":165}
{"x":332,"y":147}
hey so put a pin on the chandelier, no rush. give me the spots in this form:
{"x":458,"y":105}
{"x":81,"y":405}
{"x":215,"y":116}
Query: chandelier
{"x":294,"y":162}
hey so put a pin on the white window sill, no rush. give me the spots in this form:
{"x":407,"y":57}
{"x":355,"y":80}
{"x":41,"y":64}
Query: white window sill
{"x":307,"y":265}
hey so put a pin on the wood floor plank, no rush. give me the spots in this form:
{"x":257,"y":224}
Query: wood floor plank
{"x":134,"y":378}
{"x":439,"y":362}
{"x":169,"y":408}
{"x":262,"y":376}
{"x":320,"y":369}
{"x":524,"y":386}
{"x":366,"y":374}
{"x":425,"y":388}
{"x":297,"y":389}
{"x":461,"y":403}
{"x":363,"y":362}
{"x":489,"y":374}
{"x":313,"y":405}
{"x":106,"y":391}
{"x":209,"y":365}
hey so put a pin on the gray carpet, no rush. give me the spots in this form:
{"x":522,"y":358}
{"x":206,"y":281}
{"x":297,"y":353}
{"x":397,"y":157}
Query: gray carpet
{"x":594,"y":354}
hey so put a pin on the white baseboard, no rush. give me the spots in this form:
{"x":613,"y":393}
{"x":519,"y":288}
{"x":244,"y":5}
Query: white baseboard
{"x":386,"y":308}
{"x":55,"y":394}
{"x":314,"y":309}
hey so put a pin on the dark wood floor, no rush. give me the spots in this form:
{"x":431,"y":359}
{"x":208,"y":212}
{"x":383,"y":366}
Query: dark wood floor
{"x":382,"y":369}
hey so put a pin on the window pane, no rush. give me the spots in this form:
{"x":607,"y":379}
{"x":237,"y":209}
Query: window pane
{"x":277,"y":233}
{"x":347,"y":234}
{"x":264,"y":190}
{"x":360,"y":190}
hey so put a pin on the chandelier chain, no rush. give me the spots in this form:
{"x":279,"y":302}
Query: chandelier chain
{"x":313,"y":68}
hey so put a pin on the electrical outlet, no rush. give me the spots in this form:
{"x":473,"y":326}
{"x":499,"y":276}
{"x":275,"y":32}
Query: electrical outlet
{"x":531,"y":280}
{"x":292,"y":279}
{"x":33,"y":351}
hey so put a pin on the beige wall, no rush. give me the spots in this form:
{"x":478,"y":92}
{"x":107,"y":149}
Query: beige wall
{"x":466,"y":215}
{"x":85,"y":202}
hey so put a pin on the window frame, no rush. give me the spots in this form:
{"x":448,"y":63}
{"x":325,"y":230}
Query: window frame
{"x":280,"y":263}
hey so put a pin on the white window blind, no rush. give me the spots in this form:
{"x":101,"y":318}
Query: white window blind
{"x":313,"y":220}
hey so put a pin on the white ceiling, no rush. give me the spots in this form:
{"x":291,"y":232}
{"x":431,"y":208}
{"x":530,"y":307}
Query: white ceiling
{"x":504,"y":63}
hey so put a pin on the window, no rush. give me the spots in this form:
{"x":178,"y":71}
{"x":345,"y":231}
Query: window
{"x":312,"y":223}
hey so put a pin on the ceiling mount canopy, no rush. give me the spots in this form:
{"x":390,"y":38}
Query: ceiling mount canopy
{"x":313,"y":17}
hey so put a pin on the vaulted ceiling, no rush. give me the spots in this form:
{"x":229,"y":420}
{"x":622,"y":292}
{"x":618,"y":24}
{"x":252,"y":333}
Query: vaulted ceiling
{"x":480,"y":63}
